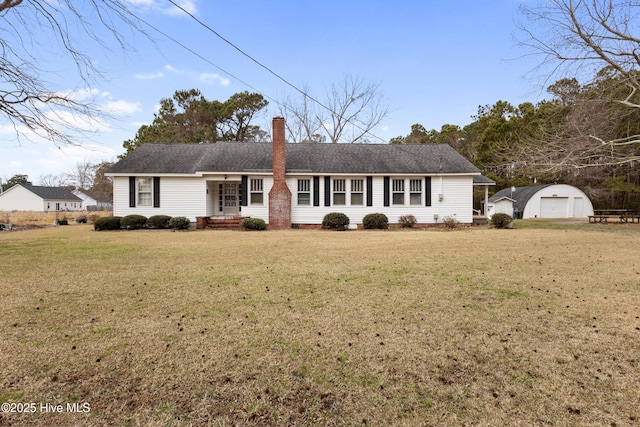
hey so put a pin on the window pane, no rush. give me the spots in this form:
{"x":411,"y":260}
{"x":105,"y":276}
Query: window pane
{"x":357,"y":185}
{"x":339,"y":199}
{"x":257,"y":198}
{"x":144,"y":199}
{"x":398,"y":185}
{"x":304,"y":185}
{"x":256,"y":184}
{"x":304,"y":199}
{"x":398,"y":198}
{"x":356,"y":199}
{"x":415,"y":198}
{"x":339,"y":185}
{"x":415,"y":185}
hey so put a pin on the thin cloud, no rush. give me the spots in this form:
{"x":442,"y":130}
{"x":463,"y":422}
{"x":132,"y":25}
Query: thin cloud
{"x":211,"y":78}
{"x":122,"y":107}
{"x":151,"y":76}
{"x":172,"y":69}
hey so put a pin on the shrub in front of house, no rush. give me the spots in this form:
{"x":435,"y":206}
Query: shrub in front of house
{"x":179,"y":223}
{"x":501,"y":220}
{"x":335,"y":221}
{"x":107,"y":223}
{"x":407,"y":221}
{"x":133,"y":222}
{"x":253,"y":224}
{"x":450,"y":222}
{"x":158,"y":221}
{"x":375,"y":221}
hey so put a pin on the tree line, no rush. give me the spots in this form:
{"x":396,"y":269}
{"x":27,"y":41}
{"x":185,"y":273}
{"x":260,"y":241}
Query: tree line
{"x":581,"y":136}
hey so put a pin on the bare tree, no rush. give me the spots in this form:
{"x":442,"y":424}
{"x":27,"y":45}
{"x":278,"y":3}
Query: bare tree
{"x":300,"y":119}
{"x":349,"y":112}
{"x":580,"y":38}
{"x":83,"y":174}
{"x":27,"y":100}
{"x":51,"y":180}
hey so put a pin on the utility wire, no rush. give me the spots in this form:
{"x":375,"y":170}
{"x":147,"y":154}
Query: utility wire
{"x":203,"y":58}
{"x":261,"y":65}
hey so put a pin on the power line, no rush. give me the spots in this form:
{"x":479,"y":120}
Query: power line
{"x":203,"y":58}
{"x":263,"y":66}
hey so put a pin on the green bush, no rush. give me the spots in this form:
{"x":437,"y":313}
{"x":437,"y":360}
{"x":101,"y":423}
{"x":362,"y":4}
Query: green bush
{"x":501,"y":220}
{"x":375,"y":221}
{"x":133,"y":222}
{"x":407,"y":221}
{"x":158,"y":221}
{"x":253,"y":224}
{"x":107,"y":223}
{"x":179,"y":223}
{"x":335,"y":221}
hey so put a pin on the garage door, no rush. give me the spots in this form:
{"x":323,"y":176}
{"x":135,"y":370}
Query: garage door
{"x":554,"y":207}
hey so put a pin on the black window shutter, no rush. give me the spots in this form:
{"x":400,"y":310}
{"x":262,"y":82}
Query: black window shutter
{"x":244,"y":184}
{"x":369,"y":191}
{"x":316,"y":191}
{"x":132,"y":191}
{"x":386,"y":190}
{"x":156,"y":191}
{"x":327,"y":191}
{"x":427,"y":189}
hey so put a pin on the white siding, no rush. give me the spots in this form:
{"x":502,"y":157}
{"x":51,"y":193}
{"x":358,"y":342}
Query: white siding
{"x":86,"y":199}
{"x":188,"y":196}
{"x":457,"y":201}
{"x":571,"y":196}
{"x":20,"y":199}
{"x":259,"y":211}
{"x":179,"y":196}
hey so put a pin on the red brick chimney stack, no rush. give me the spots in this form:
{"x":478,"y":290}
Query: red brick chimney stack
{"x":279,"y":195}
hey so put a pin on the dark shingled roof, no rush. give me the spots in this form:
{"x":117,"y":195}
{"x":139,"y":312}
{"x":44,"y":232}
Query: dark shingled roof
{"x":521,"y":195}
{"x":482,"y":180}
{"x":52,"y":193}
{"x":312,"y":158}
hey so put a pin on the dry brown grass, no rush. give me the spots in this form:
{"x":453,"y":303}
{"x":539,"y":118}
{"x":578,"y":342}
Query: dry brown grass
{"x":30,"y":219}
{"x":470,"y":327}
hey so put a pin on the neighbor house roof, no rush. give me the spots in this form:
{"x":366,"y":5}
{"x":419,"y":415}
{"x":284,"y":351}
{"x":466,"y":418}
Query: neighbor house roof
{"x":52,"y":193}
{"x":179,"y":158}
{"x":482,"y":180}
{"x":521,"y":195}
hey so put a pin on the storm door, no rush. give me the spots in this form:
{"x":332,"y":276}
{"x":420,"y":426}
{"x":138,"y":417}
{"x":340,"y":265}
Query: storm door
{"x":230,"y":198}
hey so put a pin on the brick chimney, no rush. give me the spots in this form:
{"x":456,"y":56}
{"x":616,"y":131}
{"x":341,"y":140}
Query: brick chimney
{"x":279,"y":195}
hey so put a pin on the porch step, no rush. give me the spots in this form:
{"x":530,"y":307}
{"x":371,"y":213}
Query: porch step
{"x":230,"y":223}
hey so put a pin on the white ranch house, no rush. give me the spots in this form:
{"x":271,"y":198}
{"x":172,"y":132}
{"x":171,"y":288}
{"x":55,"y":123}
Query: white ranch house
{"x":294,"y":185}
{"x":22,"y":197}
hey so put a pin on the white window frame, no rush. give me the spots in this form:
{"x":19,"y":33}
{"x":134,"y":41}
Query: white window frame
{"x":397,"y":191}
{"x":357,"y":190}
{"x":144,"y":191}
{"x":256,"y":192}
{"x":339,"y":189}
{"x":304,"y":192}
{"x":415,"y":192}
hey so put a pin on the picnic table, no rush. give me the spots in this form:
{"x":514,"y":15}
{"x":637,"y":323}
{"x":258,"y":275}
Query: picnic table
{"x":622,"y":215}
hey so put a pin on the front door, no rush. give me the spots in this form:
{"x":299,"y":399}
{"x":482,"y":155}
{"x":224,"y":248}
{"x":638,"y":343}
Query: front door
{"x":230,"y":198}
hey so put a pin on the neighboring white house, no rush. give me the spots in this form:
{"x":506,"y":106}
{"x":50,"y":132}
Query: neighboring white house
{"x":90,"y":203}
{"x":295,"y":185}
{"x":42,"y":199}
{"x":541,"y":201}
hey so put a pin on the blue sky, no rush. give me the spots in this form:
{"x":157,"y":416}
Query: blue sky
{"x":435,"y":61}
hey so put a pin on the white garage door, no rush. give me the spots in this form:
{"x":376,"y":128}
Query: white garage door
{"x":554,"y":207}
